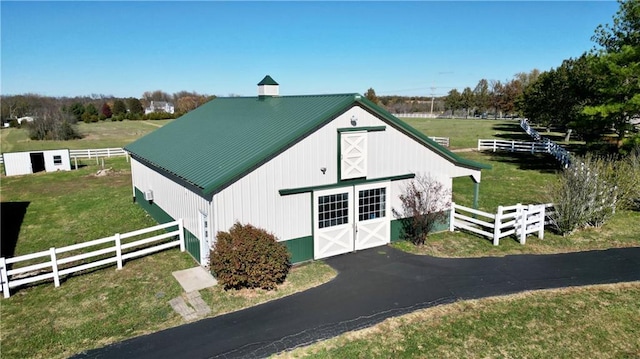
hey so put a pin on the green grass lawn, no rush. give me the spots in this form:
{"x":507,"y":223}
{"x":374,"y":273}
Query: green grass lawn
{"x":586,"y":322}
{"x":465,"y":133}
{"x":104,"y":134}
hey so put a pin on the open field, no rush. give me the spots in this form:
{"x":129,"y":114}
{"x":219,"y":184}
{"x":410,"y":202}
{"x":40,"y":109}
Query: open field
{"x":465,"y":133}
{"x":107,"y":305}
{"x":103,"y":134}
{"x":585,"y":322}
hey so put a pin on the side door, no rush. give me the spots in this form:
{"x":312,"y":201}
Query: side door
{"x":373,"y":215}
{"x":333,"y":222}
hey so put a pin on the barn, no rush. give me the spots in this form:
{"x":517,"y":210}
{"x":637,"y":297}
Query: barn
{"x":22,"y":163}
{"x":321,"y":172}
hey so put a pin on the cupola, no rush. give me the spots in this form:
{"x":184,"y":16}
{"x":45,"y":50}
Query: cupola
{"x":268,"y":87}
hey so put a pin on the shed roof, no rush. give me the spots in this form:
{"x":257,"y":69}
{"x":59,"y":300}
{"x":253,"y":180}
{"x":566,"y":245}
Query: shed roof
{"x":224,"y":139}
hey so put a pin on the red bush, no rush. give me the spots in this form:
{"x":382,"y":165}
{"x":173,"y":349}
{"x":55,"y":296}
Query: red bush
{"x":249,"y":257}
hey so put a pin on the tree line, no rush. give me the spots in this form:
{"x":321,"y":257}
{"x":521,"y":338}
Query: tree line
{"x":599,"y":92}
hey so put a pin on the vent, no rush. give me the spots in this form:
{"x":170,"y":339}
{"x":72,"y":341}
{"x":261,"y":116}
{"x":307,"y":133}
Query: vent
{"x":148,"y":195}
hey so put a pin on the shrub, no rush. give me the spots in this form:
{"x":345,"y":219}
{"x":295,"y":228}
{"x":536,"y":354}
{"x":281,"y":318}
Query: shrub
{"x":424,"y":202}
{"x":586,"y":194}
{"x":249,"y":257}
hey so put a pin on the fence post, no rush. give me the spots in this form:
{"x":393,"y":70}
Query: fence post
{"x":542,"y":217}
{"x":497,"y":223}
{"x":533,"y":147}
{"x":513,"y":146}
{"x":452,"y":216}
{"x":181,"y":234}
{"x":4,"y":277}
{"x":494,"y":145}
{"x":523,"y":225}
{"x":108,"y":152}
{"x":54,"y":267}
{"x":118,"y":250}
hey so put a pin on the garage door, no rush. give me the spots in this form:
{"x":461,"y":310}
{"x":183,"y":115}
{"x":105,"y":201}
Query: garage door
{"x":351,"y":218}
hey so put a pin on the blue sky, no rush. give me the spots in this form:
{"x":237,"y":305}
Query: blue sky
{"x":222,"y":48}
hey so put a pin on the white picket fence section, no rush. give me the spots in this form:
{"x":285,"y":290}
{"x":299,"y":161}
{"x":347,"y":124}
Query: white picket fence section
{"x":518,"y":220}
{"x":442,"y":141}
{"x":97,"y":152}
{"x":563,"y":156}
{"x":56,"y":265}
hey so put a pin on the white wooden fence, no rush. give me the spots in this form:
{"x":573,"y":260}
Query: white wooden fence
{"x":97,"y":152}
{"x":513,"y":146}
{"x":56,"y":264}
{"x":442,"y":141}
{"x":563,"y":156}
{"x":519,"y":220}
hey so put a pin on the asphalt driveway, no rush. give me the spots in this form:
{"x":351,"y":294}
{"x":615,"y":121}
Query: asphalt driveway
{"x":373,"y":285}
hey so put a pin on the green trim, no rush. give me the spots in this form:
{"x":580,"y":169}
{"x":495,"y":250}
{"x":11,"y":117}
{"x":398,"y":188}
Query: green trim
{"x":301,"y":249}
{"x":368,"y":129}
{"x":285,"y":192}
{"x":396,"y":230}
{"x":339,"y":162}
{"x":156,"y":212}
{"x":476,"y":194}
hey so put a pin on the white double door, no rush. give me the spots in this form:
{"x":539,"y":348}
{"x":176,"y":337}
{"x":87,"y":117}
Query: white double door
{"x":351,"y":218}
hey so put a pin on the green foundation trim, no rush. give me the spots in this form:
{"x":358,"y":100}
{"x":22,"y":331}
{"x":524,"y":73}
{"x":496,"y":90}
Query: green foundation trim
{"x":192,"y":242}
{"x":301,"y":249}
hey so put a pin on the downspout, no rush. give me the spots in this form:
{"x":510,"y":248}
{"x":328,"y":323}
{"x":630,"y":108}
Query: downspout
{"x":476,"y":194}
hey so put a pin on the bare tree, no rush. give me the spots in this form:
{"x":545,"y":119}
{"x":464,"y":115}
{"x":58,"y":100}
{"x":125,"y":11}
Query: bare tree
{"x":424,"y":203}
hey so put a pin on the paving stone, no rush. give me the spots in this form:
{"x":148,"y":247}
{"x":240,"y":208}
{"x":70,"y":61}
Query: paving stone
{"x":181,"y":307}
{"x":198,"y":303}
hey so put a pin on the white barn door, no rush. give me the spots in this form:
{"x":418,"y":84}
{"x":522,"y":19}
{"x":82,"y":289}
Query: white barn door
{"x":373,"y":215}
{"x":333,"y":222}
{"x":353,"y":155}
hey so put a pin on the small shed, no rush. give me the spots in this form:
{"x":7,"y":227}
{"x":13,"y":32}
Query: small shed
{"x":22,"y":163}
{"x":321,"y":172}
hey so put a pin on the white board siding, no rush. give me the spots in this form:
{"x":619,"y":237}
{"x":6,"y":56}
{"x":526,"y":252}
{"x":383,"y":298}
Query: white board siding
{"x":255,"y":199}
{"x":19,"y":163}
{"x":177,"y":201}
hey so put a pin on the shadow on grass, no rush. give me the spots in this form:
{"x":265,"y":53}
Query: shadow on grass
{"x":11,"y":216}
{"x":541,"y":162}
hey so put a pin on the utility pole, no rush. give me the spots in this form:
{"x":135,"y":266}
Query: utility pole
{"x":433,"y":95}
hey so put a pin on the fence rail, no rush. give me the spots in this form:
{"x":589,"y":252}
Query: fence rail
{"x":97,"y":152}
{"x":518,"y":220}
{"x":563,"y":156}
{"x":442,"y":141}
{"x":56,"y":264}
{"x":513,"y":146}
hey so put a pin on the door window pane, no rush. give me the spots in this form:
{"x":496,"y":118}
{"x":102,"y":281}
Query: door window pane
{"x":333,"y":210}
{"x":371,"y":203}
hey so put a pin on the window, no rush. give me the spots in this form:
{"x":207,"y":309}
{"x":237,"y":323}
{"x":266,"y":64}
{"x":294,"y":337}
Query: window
{"x":333,"y":210}
{"x":57,"y":160}
{"x":371,"y":204}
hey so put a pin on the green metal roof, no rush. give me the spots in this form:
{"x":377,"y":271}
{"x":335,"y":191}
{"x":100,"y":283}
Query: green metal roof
{"x":267,"y":80}
{"x":222,"y":140}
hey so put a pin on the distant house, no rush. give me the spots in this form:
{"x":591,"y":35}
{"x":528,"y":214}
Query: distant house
{"x":321,"y":172}
{"x":159,"y":106}
{"x":25,"y":119}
